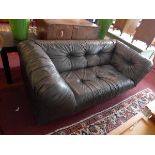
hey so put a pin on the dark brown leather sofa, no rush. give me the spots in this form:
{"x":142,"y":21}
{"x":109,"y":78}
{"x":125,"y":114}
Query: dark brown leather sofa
{"x":65,"y":77}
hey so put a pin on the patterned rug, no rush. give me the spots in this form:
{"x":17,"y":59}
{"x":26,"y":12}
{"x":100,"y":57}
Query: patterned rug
{"x":109,"y":119}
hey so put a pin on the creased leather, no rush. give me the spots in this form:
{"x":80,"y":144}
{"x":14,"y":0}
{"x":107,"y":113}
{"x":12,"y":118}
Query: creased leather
{"x":70,"y":55}
{"x":53,"y":96}
{"x":130,"y":63}
{"x":66,"y":77}
{"x":93,"y":84}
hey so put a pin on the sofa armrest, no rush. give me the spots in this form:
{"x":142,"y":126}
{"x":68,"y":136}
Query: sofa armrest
{"x":130,"y":63}
{"x":54,"y":97}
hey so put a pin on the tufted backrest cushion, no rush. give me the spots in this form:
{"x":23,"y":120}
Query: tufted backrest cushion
{"x":75,"y":54}
{"x":129,"y":62}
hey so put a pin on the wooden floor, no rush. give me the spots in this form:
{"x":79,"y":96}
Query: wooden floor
{"x":137,"y":125}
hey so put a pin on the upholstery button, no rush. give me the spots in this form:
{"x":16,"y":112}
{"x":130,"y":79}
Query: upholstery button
{"x":68,"y":56}
{"x":99,"y":77}
{"x":83,"y":81}
{"x":129,"y":62}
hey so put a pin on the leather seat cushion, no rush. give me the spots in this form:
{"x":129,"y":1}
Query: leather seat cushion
{"x":94,"y":83}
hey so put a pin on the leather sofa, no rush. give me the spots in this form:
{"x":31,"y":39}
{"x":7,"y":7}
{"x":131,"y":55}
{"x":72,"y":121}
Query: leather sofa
{"x":65,"y":77}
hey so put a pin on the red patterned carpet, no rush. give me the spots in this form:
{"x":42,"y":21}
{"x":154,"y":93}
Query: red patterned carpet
{"x":104,"y":122}
{"x":16,"y":116}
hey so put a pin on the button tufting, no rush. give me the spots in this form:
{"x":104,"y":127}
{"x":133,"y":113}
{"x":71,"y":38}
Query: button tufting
{"x":82,"y":80}
{"x":68,"y":56}
{"x":129,"y":62}
{"x":98,"y":77}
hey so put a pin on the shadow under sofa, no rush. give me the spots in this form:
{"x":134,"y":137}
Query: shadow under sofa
{"x":65,"y":77}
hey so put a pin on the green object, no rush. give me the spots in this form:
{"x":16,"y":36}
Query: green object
{"x":19,"y":28}
{"x":104,"y":26}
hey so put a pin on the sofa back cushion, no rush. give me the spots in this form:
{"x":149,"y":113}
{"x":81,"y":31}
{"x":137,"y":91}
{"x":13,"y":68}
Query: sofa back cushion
{"x":76,"y":54}
{"x":130,"y":63}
